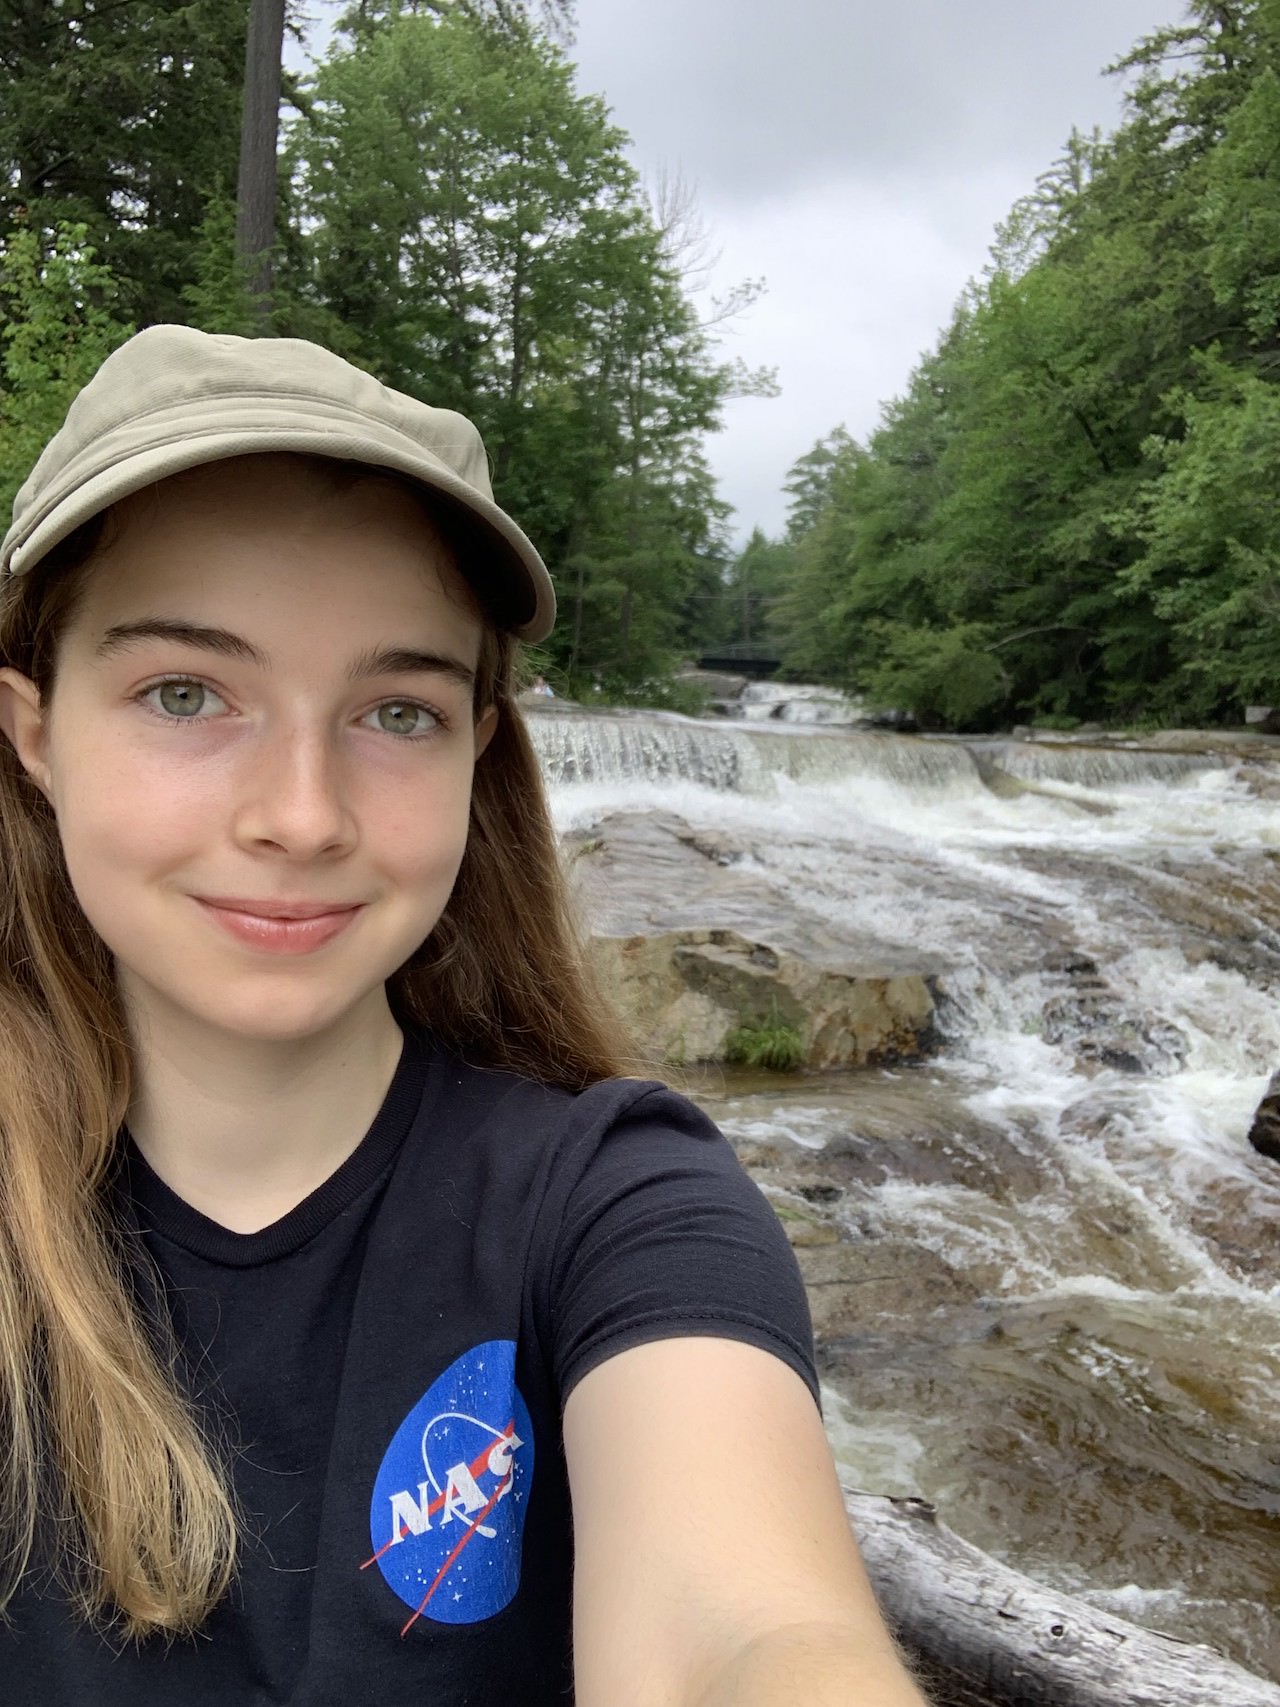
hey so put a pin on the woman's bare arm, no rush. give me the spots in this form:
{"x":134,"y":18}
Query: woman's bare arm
{"x":714,"y":1562}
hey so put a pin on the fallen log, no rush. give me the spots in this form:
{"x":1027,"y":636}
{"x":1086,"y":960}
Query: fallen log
{"x":983,"y":1635}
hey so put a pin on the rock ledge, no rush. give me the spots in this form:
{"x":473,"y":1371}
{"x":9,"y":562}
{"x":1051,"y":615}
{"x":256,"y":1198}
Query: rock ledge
{"x":683,"y":992}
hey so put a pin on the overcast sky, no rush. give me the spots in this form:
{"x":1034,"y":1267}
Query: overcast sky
{"x":858,"y":157}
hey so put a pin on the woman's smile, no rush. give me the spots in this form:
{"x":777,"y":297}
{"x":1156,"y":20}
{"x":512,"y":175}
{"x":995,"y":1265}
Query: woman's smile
{"x":281,"y":934}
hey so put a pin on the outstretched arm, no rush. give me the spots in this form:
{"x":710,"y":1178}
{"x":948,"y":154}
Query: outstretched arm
{"x":714,"y":1563}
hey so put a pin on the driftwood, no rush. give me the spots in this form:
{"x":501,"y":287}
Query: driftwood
{"x":985,"y":1635}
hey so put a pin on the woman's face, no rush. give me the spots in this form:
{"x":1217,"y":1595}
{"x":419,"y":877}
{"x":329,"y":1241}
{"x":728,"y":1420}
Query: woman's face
{"x":308,"y":739}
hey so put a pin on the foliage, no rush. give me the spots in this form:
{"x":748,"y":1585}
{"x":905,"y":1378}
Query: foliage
{"x":475,"y":235}
{"x":1071,"y":513}
{"x":220,"y":296}
{"x":665,"y":691}
{"x":124,"y":119}
{"x":752,"y":587}
{"x":58,"y":322}
{"x":772,"y":1046}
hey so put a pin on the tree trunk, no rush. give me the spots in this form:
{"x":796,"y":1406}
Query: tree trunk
{"x":573,"y":554}
{"x":985,"y":1636}
{"x":259,"y":138}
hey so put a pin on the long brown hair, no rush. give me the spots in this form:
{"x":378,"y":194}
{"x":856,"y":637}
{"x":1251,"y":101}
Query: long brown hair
{"x":95,"y":1432}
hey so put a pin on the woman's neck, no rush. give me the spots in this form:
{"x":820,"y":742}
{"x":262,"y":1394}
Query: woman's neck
{"x":244,"y":1129}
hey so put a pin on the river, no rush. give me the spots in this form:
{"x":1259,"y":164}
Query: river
{"x":1089,"y":1391}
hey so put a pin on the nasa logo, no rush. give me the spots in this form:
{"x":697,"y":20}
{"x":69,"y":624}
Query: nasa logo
{"x":447,"y":1516}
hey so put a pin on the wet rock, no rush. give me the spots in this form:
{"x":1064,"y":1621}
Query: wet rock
{"x":1264,"y":1134}
{"x":642,"y":873}
{"x":1232,"y":919}
{"x":1242,"y":743}
{"x":861,"y":1289}
{"x":1087,"y":1017}
{"x":1008,"y":787}
{"x":719,"y":684}
{"x":719,"y":849}
{"x":684,"y":992}
{"x":895,"y":1140}
{"x":691,"y":941}
{"x":1263,"y":781}
{"x":804,"y":1226}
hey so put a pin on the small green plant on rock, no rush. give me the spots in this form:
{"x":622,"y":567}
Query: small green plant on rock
{"x":773,"y":1046}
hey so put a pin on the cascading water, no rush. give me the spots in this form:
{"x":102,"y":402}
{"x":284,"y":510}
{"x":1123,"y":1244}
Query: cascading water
{"x":1087,"y":1385}
{"x":784,"y":702}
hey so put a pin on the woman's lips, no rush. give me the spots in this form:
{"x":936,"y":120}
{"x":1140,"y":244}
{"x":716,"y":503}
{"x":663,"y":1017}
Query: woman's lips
{"x":281,"y":936}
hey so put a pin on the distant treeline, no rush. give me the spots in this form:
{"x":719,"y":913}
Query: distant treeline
{"x":1074,"y":511}
{"x":453,"y":215}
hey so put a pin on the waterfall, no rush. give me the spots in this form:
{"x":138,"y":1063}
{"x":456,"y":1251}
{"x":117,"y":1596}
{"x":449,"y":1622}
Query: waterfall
{"x":1087,"y":1304}
{"x":786,"y":702}
{"x":596,"y":746}
{"x":649,"y":747}
{"x":1095,"y":767}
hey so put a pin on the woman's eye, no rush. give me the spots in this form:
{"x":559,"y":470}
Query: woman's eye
{"x":401,"y":717}
{"x":180,"y":699}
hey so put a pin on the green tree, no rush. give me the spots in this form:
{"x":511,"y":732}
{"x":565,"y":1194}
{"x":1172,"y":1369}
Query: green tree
{"x":1211,"y":526}
{"x":808,"y":484}
{"x":476,"y":236}
{"x":123,"y":118}
{"x":1069,"y":515}
{"x":755,"y":582}
{"x":59,"y":320}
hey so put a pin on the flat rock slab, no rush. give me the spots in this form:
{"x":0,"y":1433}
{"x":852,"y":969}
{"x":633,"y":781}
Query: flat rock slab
{"x":644,"y":873}
{"x":1215,"y":743}
{"x":690,"y":949}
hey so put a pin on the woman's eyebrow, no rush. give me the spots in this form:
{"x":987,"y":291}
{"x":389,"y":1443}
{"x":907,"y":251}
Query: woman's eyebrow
{"x":375,"y":661}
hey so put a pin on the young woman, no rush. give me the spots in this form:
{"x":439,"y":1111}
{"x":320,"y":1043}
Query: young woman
{"x":357,"y":1321}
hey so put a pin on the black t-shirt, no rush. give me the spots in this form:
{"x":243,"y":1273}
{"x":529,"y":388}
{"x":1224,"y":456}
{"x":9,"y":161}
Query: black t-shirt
{"x":388,"y":1364}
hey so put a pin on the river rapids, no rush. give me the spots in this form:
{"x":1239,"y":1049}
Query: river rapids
{"x":1090,"y":1390}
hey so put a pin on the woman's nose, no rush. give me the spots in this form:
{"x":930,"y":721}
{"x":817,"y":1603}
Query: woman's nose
{"x":295,"y":793}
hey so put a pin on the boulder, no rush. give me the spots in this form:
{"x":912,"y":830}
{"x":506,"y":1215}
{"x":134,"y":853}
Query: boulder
{"x":682,"y":992}
{"x":719,"y":684}
{"x":1264,"y":1134}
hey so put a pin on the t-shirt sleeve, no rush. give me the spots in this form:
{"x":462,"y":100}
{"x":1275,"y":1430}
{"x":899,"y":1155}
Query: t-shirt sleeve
{"x":659,"y":1233}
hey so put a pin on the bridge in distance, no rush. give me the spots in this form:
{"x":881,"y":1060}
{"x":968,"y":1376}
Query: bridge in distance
{"x":742,"y":659}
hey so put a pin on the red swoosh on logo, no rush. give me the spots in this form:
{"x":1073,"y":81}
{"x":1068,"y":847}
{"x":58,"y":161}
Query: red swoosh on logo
{"x":476,"y":1468}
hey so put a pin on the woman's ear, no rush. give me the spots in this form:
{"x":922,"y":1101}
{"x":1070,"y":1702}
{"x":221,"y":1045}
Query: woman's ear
{"x":22,"y":719}
{"x":486,"y":724}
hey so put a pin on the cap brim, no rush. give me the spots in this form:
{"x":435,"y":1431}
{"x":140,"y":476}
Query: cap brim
{"x":516,"y":586}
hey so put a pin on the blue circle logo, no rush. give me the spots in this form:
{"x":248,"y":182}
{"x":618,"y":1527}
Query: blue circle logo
{"x":446,"y":1520}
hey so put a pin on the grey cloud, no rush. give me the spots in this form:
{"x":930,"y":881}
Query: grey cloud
{"x":755,"y":96}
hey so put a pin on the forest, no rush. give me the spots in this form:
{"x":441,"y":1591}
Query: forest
{"x":450,"y":212}
{"x":1073,"y":513}
{"x":1070,"y":515}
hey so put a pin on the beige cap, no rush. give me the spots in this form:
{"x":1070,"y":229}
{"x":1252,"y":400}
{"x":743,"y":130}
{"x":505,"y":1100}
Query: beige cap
{"x":172,"y":398}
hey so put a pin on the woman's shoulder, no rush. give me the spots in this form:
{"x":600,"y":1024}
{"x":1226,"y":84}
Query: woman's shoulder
{"x":492,"y":1096}
{"x":604,"y":1099}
